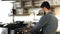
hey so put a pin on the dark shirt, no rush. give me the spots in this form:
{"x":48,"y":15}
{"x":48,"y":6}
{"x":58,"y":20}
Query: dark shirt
{"x":48,"y":23}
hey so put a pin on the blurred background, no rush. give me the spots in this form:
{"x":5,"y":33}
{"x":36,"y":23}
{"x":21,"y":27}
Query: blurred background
{"x":28,"y":11}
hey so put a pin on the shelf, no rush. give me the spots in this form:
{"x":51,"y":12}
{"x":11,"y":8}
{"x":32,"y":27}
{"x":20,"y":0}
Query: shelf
{"x":28,"y":4}
{"x":21,"y":15}
{"x":39,"y":15}
{"x":55,"y":6}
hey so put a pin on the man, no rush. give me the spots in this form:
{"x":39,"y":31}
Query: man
{"x":48,"y":21}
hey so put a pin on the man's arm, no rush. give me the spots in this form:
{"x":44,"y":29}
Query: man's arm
{"x":44,"y":20}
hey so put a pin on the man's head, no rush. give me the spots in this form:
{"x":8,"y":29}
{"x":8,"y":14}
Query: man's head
{"x":46,"y":6}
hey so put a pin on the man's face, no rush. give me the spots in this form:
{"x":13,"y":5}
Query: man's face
{"x":44,"y":9}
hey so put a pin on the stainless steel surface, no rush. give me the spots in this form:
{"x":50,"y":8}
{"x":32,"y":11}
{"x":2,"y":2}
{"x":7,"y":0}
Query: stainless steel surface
{"x":3,"y":30}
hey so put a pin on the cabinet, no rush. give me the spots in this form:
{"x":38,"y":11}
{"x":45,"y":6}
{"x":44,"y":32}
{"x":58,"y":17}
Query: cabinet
{"x":23,"y":6}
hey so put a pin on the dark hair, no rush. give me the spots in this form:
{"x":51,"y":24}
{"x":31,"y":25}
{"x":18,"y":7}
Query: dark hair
{"x":45,"y":4}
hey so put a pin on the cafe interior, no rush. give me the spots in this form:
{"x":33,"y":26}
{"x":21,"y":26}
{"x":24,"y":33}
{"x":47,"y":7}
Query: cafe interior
{"x":20,"y":16}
